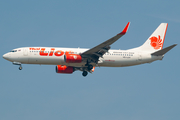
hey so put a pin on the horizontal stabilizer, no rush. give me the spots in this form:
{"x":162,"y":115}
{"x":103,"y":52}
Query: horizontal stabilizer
{"x":163,"y":51}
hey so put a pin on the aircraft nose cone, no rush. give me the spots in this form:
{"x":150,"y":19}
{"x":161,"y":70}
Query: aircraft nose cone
{"x":6,"y":56}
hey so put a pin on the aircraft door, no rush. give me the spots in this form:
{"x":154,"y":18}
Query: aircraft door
{"x":25,"y":51}
{"x":139,"y":57}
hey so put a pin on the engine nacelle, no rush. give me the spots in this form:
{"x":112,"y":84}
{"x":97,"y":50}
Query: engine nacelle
{"x":64,"y":69}
{"x":72,"y":58}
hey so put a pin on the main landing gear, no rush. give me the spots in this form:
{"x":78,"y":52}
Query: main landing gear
{"x":87,"y":69}
{"x":90,"y":67}
{"x":84,"y":73}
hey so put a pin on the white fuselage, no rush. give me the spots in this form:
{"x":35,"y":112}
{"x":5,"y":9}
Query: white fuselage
{"x":68,"y":60}
{"x":55,"y":56}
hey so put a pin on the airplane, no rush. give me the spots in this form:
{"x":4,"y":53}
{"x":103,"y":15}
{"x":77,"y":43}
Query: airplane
{"x":68,"y":60}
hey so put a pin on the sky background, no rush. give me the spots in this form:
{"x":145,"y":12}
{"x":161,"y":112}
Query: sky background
{"x":143,"y":92}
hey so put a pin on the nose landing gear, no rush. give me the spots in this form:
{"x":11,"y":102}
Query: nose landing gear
{"x":17,"y":63}
{"x":20,"y":68}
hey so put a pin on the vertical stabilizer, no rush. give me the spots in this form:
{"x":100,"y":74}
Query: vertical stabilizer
{"x":156,"y":40}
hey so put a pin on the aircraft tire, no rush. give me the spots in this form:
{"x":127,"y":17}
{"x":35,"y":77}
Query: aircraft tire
{"x":84,"y":73}
{"x":20,"y":68}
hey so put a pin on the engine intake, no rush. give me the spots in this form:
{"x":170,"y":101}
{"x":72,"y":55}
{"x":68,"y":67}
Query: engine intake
{"x":64,"y":69}
{"x":72,"y":58}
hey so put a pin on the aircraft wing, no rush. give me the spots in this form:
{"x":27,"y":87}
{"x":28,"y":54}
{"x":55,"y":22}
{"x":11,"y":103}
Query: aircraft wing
{"x":101,"y":49}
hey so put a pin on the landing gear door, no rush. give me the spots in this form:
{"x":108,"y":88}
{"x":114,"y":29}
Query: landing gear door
{"x":25,"y":51}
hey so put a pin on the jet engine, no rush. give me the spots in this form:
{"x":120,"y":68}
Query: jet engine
{"x":64,"y":69}
{"x":72,"y":58}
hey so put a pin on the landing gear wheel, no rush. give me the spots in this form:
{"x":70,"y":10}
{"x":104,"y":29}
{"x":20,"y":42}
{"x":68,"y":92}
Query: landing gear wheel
{"x":90,"y":67}
{"x":84,"y":73}
{"x":20,"y":68}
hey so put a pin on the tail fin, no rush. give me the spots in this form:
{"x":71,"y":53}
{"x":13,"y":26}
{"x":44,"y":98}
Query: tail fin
{"x":156,"y":40}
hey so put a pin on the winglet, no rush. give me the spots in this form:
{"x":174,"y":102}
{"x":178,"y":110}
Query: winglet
{"x":125,"y":29}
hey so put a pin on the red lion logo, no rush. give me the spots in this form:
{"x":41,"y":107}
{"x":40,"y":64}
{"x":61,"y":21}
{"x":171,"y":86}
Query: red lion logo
{"x":156,"y":43}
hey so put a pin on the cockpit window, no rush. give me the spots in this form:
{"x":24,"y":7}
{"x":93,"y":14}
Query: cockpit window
{"x":13,"y":51}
